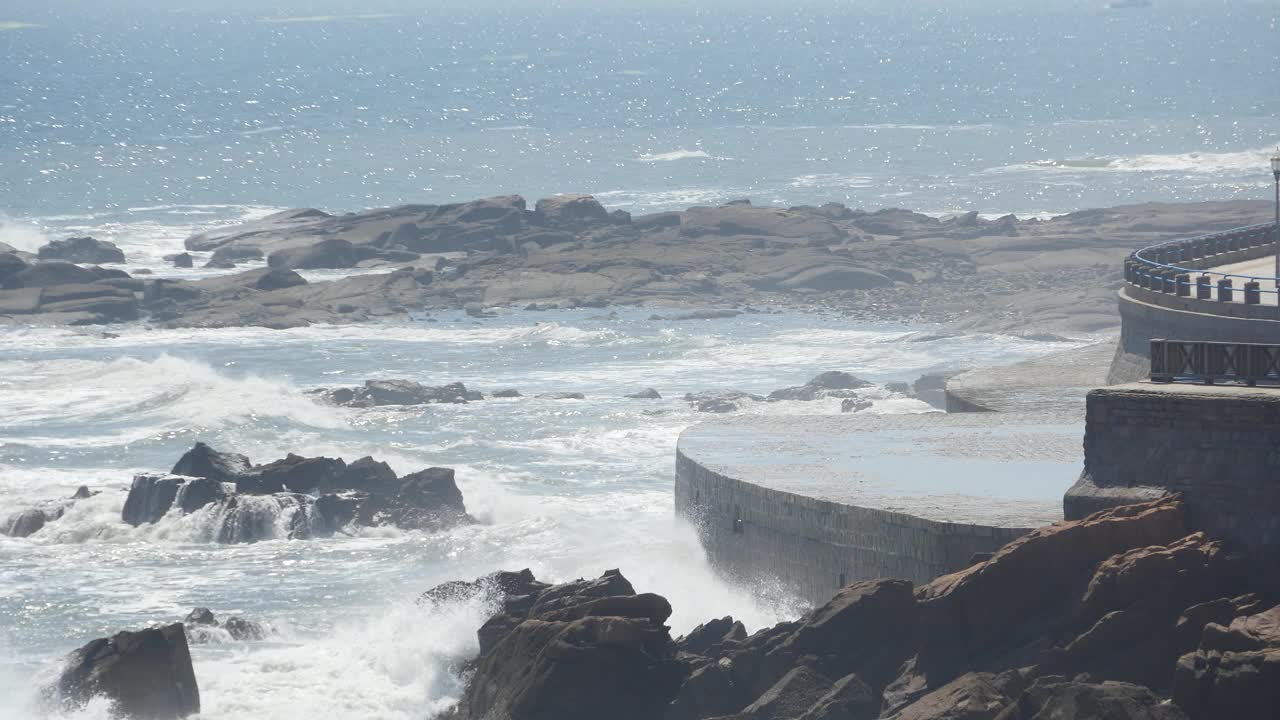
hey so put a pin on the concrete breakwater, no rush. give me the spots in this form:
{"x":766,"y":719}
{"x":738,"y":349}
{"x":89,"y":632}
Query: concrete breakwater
{"x":815,"y":503}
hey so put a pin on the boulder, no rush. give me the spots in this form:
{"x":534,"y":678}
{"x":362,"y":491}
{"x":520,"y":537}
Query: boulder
{"x":572,"y":210}
{"x":181,"y":260}
{"x":228,"y":256}
{"x":646,"y":394}
{"x":44,"y":274}
{"x":853,"y":405}
{"x":295,"y":474}
{"x":506,"y":393}
{"x":203,"y":461}
{"x":709,"y":636}
{"x":562,"y":396}
{"x":333,"y":253}
{"x":716,"y":405}
{"x":84,"y":250}
{"x":1235,"y":672}
{"x":103,"y":302}
{"x":25,"y":523}
{"x":146,"y":674}
{"x":376,"y":393}
{"x":723,"y":396}
{"x":585,"y":669}
{"x":196,"y":493}
{"x":10,"y":264}
{"x":428,"y":500}
{"x":371,"y":476}
{"x":150,"y":497}
{"x":965,"y":616}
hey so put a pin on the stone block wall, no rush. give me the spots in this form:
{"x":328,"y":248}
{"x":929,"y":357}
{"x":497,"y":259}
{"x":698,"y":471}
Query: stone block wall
{"x":812,"y":547}
{"x":1219,"y":446}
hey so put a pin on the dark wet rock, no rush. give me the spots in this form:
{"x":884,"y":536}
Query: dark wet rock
{"x":181,"y":260}
{"x":45,"y":274}
{"x":704,"y":315}
{"x":792,"y":696}
{"x":196,"y":493}
{"x":848,"y":699}
{"x":646,"y":394}
{"x":83,"y":492}
{"x":203,"y":461}
{"x":900,"y":388}
{"x":150,"y":498}
{"x":564,"y":652}
{"x":562,"y":396}
{"x":711,"y":635}
{"x":375,"y":393}
{"x":25,"y":523}
{"x":972,"y":696}
{"x":146,"y":674}
{"x":829,"y":384}
{"x":10,"y":264}
{"x":200,"y":616}
{"x":85,"y":250}
{"x":295,"y":474}
{"x":306,"y":497}
{"x":93,"y":303}
{"x":506,"y":393}
{"x":853,"y":405}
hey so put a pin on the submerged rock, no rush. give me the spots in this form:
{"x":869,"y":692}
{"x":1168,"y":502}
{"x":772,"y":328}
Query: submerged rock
{"x":646,"y":394}
{"x":562,"y":396}
{"x":829,"y":384}
{"x":146,"y":674}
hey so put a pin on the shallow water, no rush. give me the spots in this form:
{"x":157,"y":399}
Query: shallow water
{"x":567,"y":488}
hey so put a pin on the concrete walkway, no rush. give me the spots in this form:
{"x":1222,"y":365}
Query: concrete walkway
{"x":1264,"y":267}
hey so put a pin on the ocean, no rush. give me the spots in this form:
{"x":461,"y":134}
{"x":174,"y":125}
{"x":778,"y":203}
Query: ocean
{"x":142,"y":123}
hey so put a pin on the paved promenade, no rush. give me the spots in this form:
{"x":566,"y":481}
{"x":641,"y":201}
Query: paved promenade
{"x":1264,"y":267}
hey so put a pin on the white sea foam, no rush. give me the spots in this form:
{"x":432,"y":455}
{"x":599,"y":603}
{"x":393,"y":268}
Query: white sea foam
{"x":836,"y":180}
{"x":674,"y":155}
{"x":1199,"y":163}
{"x":21,"y":235}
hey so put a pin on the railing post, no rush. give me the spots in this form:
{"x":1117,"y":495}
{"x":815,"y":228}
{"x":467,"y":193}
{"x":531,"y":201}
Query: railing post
{"x":1183,"y":283}
{"x":1224,"y":290}
{"x":1204,"y":289}
{"x":1252,"y":293}
{"x":1170,"y":284}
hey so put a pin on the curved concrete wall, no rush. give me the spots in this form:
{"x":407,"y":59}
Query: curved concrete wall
{"x":1146,"y":315}
{"x":812,"y":547}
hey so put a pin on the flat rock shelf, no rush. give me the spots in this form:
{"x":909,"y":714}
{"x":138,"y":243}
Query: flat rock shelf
{"x":809,"y":504}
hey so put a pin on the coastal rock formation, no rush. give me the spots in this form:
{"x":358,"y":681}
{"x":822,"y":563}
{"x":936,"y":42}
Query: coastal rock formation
{"x":298,"y":496}
{"x":1003,"y":275}
{"x":399,"y":392}
{"x":146,"y":674}
{"x":646,"y":394}
{"x":202,"y":626}
{"x":1080,"y":619}
{"x":84,"y":250}
{"x":833,"y":383}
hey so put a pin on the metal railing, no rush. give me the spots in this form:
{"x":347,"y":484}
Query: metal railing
{"x":1169,"y":267}
{"x":1213,"y":362}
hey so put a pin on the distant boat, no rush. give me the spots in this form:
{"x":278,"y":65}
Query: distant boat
{"x":1123,"y":4}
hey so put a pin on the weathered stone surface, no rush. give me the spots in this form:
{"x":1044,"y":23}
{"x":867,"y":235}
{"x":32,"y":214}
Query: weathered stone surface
{"x":848,"y":699}
{"x":295,"y":474}
{"x":972,"y":696}
{"x":25,"y":523}
{"x":965,"y":616}
{"x":792,"y":696}
{"x":44,"y":274}
{"x":329,"y":253}
{"x":1054,"y":698}
{"x":708,"y":637}
{"x":85,"y":250}
{"x":150,"y":497}
{"x":202,"y":461}
{"x":146,"y":674}
{"x":1235,"y":672}
{"x":646,"y":394}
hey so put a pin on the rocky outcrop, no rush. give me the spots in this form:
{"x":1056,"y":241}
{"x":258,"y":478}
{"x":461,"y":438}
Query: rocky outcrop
{"x":147,"y":675}
{"x":719,"y":401}
{"x":203,"y":461}
{"x":646,"y":394}
{"x":83,"y":250}
{"x":829,"y":384}
{"x":399,"y":392}
{"x":1081,"y":619}
{"x":298,"y":496}
{"x":202,"y":627}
